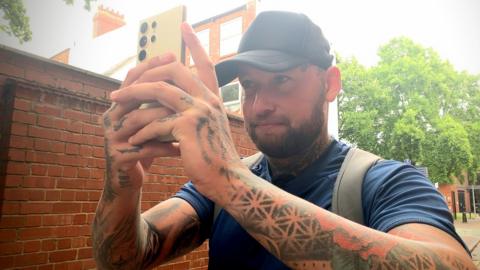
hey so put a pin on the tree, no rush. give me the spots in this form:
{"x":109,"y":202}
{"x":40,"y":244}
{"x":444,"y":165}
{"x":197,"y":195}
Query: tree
{"x":18,"y":23}
{"x":413,"y":105}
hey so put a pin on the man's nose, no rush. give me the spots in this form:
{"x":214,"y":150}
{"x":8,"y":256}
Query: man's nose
{"x":263,"y":103}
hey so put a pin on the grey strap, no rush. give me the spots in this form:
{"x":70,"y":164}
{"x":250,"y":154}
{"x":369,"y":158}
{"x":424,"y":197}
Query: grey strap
{"x":347,"y":193}
{"x":250,"y":162}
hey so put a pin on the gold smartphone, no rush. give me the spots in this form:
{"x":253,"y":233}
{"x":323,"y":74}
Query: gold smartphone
{"x":160,"y":34}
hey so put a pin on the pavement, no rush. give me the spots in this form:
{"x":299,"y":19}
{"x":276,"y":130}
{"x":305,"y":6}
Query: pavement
{"x":470,"y":233}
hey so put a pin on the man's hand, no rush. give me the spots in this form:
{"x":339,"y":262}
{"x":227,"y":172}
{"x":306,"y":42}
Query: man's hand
{"x":198,"y":123}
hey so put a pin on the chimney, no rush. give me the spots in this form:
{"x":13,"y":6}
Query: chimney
{"x":106,"y":20}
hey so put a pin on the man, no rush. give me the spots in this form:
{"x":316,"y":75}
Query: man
{"x":274,"y":216}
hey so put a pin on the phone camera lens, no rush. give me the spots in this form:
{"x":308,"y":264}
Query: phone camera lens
{"x":142,"y":55}
{"x":153,"y":38}
{"x":154,"y":24}
{"x":143,"y":41}
{"x":143,"y":27}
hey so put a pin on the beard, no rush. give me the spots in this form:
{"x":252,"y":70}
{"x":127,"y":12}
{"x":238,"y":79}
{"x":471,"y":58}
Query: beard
{"x":294,"y":140}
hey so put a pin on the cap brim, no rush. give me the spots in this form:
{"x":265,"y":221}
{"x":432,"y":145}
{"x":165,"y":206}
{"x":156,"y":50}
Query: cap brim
{"x":267,"y":60}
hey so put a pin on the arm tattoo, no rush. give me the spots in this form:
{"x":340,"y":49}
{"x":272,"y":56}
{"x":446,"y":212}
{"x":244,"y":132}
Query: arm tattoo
{"x":294,"y":233}
{"x":119,"y":124}
{"x":124,"y":179}
{"x":108,"y":192}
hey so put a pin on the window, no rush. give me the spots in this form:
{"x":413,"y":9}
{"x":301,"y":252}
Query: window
{"x":204,"y":37}
{"x":231,"y":96}
{"x":230,"y":34}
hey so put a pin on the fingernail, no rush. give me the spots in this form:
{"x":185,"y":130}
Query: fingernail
{"x":130,"y":140}
{"x":114,"y":94}
{"x":187,"y":28}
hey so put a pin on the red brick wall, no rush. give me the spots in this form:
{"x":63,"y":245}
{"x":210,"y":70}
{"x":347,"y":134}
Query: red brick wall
{"x":52,"y":165}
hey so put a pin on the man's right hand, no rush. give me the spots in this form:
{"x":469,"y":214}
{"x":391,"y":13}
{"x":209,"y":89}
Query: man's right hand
{"x":125,"y":163}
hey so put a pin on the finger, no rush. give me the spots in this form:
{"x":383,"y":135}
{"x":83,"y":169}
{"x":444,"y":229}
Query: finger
{"x":127,"y":153}
{"x":157,"y":130}
{"x":135,"y":73}
{"x":146,"y":163}
{"x":116,"y":112}
{"x":166,"y":94}
{"x":136,"y":119}
{"x":177,"y":74}
{"x":203,"y":63}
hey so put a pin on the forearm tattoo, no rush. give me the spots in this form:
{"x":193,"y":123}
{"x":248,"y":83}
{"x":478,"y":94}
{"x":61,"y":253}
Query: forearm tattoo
{"x":295,"y":234}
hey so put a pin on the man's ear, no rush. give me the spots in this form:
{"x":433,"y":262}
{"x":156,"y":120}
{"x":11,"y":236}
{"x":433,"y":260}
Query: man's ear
{"x":333,"y":83}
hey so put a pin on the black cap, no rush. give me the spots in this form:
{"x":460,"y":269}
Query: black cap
{"x":277,"y":41}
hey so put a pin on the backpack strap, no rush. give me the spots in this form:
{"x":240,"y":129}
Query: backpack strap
{"x":250,"y":162}
{"x":347,"y":193}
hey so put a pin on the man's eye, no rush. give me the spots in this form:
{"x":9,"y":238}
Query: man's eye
{"x":280,"y":79}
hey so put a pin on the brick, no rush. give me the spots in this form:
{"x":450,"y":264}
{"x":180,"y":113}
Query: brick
{"x":70,"y":85}
{"x":21,"y":141}
{"x":76,"y":115}
{"x":48,"y":109}
{"x":31,"y":259}
{"x":67,"y":231}
{"x":32,"y":246}
{"x":38,"y":182}
{"x":80,"y":219}
{"x":36,"y":195}
{"x":17,"y":168}
{"x":81,"y":195}
{"x":49,"y":244}
{"x":65,"y":243}
{"x":11,"y":222}
{"x":61,"y":123}
{"x":15,"y":195}
{"x":78,"y":242}
{"x":10,"y":248}
{"x":10,"y":208}
{"x":16,"y":154}
{"x":24,"y":117}
{"x":69,"y":171}
{"x":83,"y":173}
{"x":99,"y":152}
{"x":27,"y":93}
{"x":38,"y":169}
{"x":57,"y":220}
{"x":46,"y":121}
{"x":48,"y":158}
{"x":45,"y":133}
{"x":50,"y":98}
{"x":40,"y":77}
{"x":85,"y":150}
{"x":7,"y":235}
{"x":55,"y":170}
{"x":63,"y":208}
{"x":89,"y":207}
{"x":71,"y":183}
{"x":53,"y":195}
{"x":94,"y":195}
{"x":88,"y":129}
{"x":57,"y":147}
{"x":32,"y":221}
{"x":19,"y":129}
{"x":7,"y":262}
{"x":85,"y":253}
{"x":36,"y":208}
{"x":68,"y":195}
{"x":42,"y":144}
{"x":22,"y":104}
{"x":11,"y":70}
{"x":74,"y":126}
{"x":45,"y":267}
{"x":34,"y":233}
{"x":71,"y":148}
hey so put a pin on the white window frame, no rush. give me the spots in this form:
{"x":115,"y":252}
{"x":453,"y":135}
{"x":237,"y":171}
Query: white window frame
{"x":230,"y":35}
{"x":228,"y":104}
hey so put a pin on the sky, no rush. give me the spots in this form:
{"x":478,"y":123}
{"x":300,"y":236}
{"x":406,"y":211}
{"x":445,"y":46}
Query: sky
{"x":355,"y":28}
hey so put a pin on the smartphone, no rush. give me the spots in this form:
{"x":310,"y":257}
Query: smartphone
{"x":160,"y":34}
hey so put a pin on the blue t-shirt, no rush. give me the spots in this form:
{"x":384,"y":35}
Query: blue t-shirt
{"x":393,"y":194}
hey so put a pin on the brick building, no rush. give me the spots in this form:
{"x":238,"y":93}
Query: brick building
{"x":52,"y":161}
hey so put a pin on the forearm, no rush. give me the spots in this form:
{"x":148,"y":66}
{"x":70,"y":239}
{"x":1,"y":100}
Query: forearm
{"x":117,"y":227}
{"x":305,"y":236}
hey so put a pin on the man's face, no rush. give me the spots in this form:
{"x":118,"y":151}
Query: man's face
{"x":284,"y":112}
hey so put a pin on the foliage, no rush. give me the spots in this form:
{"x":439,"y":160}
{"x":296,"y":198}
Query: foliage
{"x":413,"y":105}
{"x":18,"y":23}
